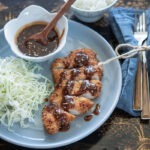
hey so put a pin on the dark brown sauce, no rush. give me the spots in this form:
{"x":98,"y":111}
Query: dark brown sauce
{"x":68,"y":88}
{"x":59,"y":115}
{"x":81,"y":59}
{"x":51,"y":107}
{"x":89,"y":72}
{"x":62,"y":77}
{"x":46,"y":99}
{"x":87,"y":86}
{"x":33,"y":48}
{"x":74,"y":73}
{"x":67,"y":102}
{"x":65,"y":126}
{"x":88,"y":117}
{"x":66,"y":63}
{"x":96,"y":110}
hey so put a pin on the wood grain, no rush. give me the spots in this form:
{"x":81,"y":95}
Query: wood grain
{"x":121,"y":131}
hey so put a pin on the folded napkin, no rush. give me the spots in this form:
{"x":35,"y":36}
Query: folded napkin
{"x":122,"y":22}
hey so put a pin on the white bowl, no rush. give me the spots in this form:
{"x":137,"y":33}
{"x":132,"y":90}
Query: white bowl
{"x":90,"y":15}
{"x":31,"y":14}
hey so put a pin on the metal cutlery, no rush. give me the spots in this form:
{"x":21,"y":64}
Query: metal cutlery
{"x":145,"y":89}
{"x":141,"y":99}
{"x":140,"y":36}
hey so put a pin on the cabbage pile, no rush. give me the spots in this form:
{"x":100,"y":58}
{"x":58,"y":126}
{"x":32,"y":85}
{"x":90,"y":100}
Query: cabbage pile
{"x":22,"y":90}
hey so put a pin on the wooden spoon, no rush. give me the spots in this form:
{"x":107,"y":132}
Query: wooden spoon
{"x":41,"y":37}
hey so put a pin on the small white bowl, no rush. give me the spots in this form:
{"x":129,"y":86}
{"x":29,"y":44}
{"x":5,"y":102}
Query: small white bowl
{"x":31,"y":14}
{"x":90,"y":16}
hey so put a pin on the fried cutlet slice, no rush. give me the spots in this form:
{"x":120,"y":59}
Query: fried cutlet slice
{"x":76,"y":59}
{"x":83,"y":73}
{"x":56,"y":119}
{"x":59,"y":63}
{"x":77,"y":105}
{"x":73,"y":104}
{"x":84,"y":88}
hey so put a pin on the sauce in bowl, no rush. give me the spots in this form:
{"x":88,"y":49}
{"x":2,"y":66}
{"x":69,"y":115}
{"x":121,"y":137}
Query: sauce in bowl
{"x":33,"y":48}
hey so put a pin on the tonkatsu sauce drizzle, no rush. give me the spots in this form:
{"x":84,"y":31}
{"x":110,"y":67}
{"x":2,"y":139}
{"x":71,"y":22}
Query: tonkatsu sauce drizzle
{"x":96,"y":110}
{"x":88,"y":117}
{"x":87,"y":86}
{"x":67,"y":102}
{"x":89,"y":72}
{"x":81,"y":59}
{"x":62,"y":77}
{"x":68,"y":88}
{"x":74,"y":73}
{"x":60,"y":116}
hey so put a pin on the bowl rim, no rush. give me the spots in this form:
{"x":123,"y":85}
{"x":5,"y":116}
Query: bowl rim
{"x":40,"y":58}
{"x":93,"y":11}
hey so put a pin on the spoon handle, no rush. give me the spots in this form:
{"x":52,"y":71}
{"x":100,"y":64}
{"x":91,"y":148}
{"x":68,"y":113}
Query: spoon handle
{"x":60,"y":13}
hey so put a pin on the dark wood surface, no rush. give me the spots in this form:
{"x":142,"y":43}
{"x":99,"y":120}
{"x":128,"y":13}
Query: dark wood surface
{"x":121,"y":131}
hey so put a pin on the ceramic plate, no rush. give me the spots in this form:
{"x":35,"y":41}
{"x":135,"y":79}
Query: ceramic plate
{"x":79,"y":36}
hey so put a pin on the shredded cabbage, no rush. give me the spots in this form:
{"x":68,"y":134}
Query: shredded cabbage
{"x":22,"y":91}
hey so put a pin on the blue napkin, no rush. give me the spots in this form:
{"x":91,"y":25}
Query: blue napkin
{"x":122,"y":21}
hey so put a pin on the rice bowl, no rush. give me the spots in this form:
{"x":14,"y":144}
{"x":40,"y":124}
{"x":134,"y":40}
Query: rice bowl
{"x":92,"y":4}
{"x":91,"y":12}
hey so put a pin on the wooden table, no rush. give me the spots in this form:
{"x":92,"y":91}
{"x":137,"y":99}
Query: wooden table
{"x":121,"y":131}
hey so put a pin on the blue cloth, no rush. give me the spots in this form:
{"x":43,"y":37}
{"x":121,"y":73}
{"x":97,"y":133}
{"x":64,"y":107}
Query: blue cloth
{"x":122,"y":21}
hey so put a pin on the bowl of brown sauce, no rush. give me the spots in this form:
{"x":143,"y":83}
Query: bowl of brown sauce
{"x":31,"y":20}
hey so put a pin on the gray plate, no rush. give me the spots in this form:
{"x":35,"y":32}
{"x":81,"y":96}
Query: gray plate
{"x":35,"y":137}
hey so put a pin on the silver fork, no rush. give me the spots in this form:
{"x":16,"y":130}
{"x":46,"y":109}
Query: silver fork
{"x":140,"y":37}
{"x":141,"y":99}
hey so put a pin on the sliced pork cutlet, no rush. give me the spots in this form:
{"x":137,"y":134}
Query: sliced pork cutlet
{"x":72,"y":104}
{"x":74,"y":89}
{"x":56,"y":119}
{"x":76,"y":59}
{"x":83,"y":73}
{"x":84,"y":88}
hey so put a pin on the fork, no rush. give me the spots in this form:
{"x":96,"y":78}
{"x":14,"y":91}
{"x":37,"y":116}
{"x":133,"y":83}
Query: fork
{"x":141,"y":99}
{"x":140,"y":37}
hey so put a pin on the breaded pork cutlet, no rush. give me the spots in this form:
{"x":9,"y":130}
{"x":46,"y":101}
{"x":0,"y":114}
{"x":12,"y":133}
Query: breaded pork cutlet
{"x":56,"y":119}
{"x":77,"y":79}
{"x":83,"y":73}
{"x":76,"y":59}
{"x":88,"y":89}
{"x":72,"y":104}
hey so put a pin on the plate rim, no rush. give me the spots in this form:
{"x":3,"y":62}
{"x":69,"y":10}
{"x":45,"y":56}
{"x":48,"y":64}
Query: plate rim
{"x":75,"y":139}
